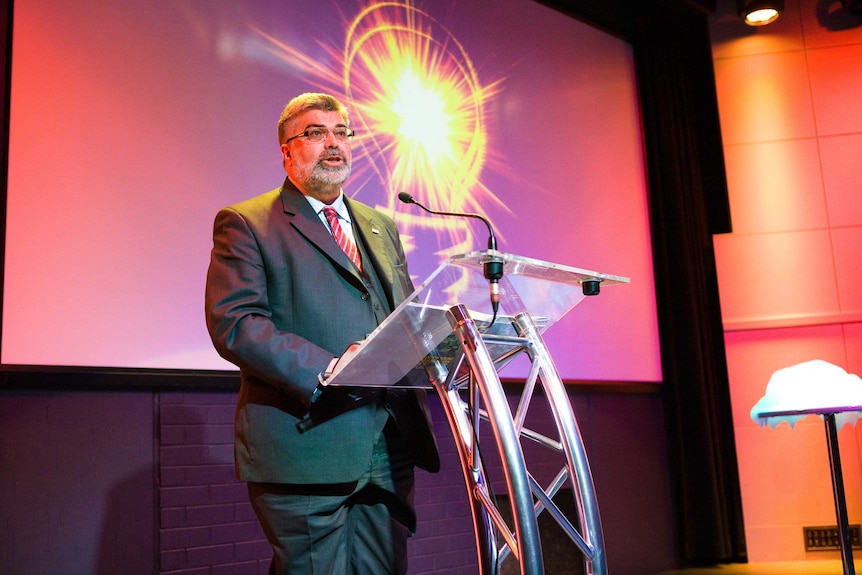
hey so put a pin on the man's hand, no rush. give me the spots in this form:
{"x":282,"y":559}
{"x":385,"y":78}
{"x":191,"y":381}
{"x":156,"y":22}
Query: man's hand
{"x":344,"y":358}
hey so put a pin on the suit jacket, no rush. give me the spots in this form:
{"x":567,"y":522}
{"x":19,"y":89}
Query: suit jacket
{"x":282,"y":300}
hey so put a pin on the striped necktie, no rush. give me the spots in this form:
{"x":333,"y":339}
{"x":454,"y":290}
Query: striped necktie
{"x":344,"y":241}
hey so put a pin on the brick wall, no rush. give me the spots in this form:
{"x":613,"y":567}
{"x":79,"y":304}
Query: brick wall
{"x":141,"y":482}
{"x":206,"y":525}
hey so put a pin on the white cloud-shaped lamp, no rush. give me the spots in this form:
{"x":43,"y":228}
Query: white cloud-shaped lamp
{"x":821,"y":388}
{"x":812,"y":387}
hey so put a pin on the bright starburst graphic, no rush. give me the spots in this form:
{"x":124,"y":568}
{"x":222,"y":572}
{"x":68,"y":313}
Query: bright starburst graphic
{"x":419,"y":110}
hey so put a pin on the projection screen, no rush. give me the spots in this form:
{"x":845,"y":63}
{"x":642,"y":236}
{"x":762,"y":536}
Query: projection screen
{"x":132,"y":123}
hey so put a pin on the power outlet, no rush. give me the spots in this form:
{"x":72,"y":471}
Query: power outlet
{"x":825,"y":538}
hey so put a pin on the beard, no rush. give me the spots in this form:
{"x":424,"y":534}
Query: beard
{"x":330,"y":175}
{"x":318,"y":175}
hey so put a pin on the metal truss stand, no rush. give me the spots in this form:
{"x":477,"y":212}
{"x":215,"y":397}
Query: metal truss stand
{"x":477,"y":398}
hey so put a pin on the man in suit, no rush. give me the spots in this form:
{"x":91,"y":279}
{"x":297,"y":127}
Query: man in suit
{"x":329,"y":470}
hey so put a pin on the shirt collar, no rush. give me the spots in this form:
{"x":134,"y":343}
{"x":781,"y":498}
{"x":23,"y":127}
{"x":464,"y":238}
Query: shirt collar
{"x":338,"y":204}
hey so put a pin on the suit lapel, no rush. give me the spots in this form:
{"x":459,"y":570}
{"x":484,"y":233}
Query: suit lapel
{"x":373,"y":234}
{"x":306,"y":221}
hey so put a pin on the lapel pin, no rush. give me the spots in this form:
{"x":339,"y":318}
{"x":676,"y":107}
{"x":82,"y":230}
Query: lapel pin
{"x":375,"y":231}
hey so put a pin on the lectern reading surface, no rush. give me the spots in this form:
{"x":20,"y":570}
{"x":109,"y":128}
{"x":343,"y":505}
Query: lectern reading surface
{"x":418,"y":327}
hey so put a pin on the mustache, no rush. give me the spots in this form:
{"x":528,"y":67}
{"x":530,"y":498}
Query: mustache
{"x":321,"y":168}
{"x":332,"y":153}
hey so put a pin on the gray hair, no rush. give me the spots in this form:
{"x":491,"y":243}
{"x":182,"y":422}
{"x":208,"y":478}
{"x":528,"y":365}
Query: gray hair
{"x":305,"y":102}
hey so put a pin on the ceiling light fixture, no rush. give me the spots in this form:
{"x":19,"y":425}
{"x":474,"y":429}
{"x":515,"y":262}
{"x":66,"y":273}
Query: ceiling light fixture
{"x":759,"y":12}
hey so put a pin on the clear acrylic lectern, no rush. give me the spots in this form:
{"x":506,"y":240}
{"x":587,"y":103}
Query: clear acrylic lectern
{"x":446,"y":337}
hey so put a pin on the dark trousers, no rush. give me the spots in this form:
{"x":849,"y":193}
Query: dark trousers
{"x":359,"y":528}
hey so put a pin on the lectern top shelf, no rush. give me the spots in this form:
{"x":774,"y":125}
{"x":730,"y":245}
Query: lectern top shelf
{"x":416,"y":328}
{"x":524,"y":266}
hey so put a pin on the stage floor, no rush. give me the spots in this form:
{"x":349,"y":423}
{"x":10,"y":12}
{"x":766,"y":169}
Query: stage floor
{"x":788,"y":568}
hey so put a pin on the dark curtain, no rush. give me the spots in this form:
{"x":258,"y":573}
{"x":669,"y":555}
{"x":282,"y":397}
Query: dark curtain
{"x":688,"y":204}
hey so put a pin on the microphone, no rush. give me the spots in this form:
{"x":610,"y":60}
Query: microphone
{"x":493,"y":265}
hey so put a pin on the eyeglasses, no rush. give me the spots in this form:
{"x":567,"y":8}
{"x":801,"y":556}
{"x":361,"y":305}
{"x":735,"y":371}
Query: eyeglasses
{"x":318,"y":135}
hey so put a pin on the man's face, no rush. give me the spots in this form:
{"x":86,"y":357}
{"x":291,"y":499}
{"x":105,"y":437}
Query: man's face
{"x":317,"y":168}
